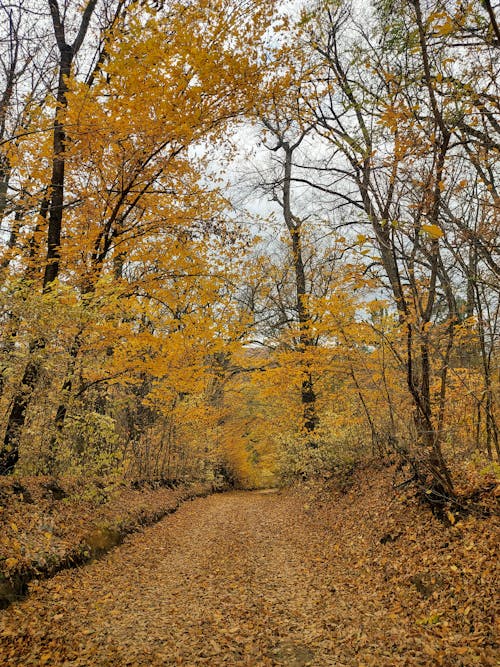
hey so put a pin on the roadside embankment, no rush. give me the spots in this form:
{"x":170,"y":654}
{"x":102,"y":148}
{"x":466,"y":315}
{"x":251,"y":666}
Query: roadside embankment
{"x":47,"y":525}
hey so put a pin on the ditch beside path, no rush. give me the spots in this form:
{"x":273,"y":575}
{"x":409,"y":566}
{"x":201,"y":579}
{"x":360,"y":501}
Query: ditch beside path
{"x":237,"y":579}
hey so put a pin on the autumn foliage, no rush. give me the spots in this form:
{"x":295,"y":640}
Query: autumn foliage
{"x":149,"y":331}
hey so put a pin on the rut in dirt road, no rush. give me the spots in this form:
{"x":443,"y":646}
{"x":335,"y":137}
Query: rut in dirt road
{"x":242,"y":578}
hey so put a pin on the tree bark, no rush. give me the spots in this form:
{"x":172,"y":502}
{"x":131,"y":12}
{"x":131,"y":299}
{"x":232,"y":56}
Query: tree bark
{"x":9,"y":453}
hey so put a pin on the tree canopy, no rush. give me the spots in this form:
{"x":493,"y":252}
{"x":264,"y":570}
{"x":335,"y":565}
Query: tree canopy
{"x":248,"y":240}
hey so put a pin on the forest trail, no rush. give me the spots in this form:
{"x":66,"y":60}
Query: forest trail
{"x":241,"y":578}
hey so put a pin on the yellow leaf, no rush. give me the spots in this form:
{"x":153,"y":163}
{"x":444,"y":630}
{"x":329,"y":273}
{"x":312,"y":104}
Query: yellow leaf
{"x":10,"y":563}
{"x":14,"y":527}
{"x":434,"y":231}
{"x":445,"y":28}
{"x":433,"y":619}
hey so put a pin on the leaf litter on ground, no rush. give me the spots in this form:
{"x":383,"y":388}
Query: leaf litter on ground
{"x":295,"y":578}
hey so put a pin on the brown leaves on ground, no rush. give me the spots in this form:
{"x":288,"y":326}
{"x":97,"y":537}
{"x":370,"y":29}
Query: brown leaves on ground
{"x":296,"y":578}
{"x":44,"y":523}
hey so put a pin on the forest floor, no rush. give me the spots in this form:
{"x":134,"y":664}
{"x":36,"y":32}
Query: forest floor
{"x":309,"y":576}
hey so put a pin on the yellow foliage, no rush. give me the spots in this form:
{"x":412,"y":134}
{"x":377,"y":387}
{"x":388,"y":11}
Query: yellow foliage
{"x":434,"y":231}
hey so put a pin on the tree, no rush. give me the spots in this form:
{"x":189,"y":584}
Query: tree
{"x":123,"y":152}
{"x":385,"y":113}
{"x":282,"y":194}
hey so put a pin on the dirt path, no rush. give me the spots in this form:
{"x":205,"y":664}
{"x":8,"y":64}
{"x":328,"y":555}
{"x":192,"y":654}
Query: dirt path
{"x":244,"y":578}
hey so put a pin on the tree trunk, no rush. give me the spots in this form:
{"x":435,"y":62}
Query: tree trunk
{"x":9,"y":454}
{"x":307,"y":393}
